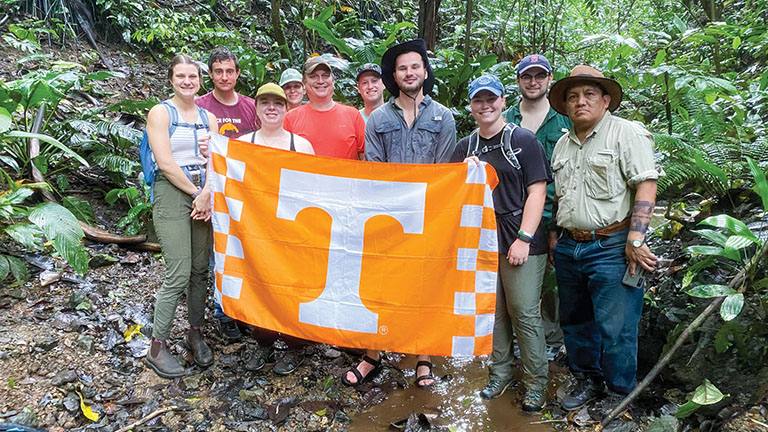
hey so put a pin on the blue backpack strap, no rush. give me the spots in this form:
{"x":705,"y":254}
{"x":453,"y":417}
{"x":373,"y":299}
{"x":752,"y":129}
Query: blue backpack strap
{"x":203,"y":113}
{"x":173,"y":116}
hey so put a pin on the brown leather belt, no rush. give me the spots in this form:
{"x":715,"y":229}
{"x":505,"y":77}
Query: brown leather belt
{"x":602,"y":233}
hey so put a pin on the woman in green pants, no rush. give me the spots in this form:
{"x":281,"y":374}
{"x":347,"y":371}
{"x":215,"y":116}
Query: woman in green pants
{"x":182,"y":210}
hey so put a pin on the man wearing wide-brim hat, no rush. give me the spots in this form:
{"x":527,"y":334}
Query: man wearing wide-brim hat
{"x":605,"y":178}
{"x":409,"y":128}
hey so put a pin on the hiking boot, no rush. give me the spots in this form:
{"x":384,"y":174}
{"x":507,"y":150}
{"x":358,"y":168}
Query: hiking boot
{"x":292,"y":359}
{"x":160,"y":359}
{"x":229,"y":330}
{"x":255,"y":359}
{"x":586,"y":390}
{"x":201,"y":352}
{"x":495,"y":388}
{"x":534,"y":400}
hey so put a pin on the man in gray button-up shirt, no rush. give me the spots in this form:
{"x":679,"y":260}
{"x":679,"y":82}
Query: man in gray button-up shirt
{"x":411,"y":127}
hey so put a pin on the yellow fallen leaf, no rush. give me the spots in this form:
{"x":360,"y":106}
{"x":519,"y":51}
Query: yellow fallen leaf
{"x":346,"y":9}
{"x":87,"y":411}
{"x":132,"y":330}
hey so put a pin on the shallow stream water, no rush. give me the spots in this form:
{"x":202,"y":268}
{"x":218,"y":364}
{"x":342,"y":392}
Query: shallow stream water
{"x":455,"y":402}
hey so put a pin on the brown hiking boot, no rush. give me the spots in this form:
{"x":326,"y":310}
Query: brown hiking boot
{"x":201,"y":351}
{"x":160,"y":359}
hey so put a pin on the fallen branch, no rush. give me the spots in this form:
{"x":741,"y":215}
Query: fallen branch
{"x":149,"y":417}
{"x":738,"y":280}
{"x":102,"y":236}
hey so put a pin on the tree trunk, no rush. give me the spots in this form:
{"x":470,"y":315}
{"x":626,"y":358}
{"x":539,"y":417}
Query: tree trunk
{"x":277,"y":27}
{"x":468,"y":31}
{"x":428,"y":17}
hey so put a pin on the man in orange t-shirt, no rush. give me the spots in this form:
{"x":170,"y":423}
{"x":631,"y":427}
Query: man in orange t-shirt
{"x":334,"y":129}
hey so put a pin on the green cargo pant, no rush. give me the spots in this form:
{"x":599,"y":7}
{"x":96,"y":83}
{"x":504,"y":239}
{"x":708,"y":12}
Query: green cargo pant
{"x":517,"y":307}
{"x":186,"y":247}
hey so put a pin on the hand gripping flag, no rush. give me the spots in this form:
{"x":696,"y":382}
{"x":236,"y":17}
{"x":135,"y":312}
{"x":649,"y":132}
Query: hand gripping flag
{"x":394,"y":257}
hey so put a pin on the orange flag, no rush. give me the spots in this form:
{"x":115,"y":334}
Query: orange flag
{"x":393,"y":257}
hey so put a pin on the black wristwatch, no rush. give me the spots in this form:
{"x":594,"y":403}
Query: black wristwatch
{"x":197,"y":193}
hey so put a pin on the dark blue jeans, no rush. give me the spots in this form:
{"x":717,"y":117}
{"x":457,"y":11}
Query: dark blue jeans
{"x":598,"y":314}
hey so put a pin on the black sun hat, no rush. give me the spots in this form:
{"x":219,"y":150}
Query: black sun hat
{"x":388,"y":65}
{"x":583,"y":74}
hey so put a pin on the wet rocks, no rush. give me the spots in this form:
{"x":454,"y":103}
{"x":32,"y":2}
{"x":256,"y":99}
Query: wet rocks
{"x":64,"y":377}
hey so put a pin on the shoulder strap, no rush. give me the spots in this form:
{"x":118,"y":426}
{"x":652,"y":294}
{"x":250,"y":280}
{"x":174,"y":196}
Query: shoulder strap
{"x":203,"y":113}
{"x":474,"y":142}
{"x":506,"y":141}
{"x":173,"y":116}
{"x":293,"y":147}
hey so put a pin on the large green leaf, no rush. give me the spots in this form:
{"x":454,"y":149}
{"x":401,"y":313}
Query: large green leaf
{"x":80,"y":208}
{"x":16,"y":197}
{"x":761,"y":185}
{"x":707,"y":394}
{"x":731,"y":306}
{"x":27,"y":234}
{"x":704,"y":250}
{"x":686,"y":409}
{"x":732,"y":224}
{"x":327,"y":34}
{"x":710,"y":290}
{"x":18,"y":270}
{"x":738,"y":242}
{"x":61,"y":227}
{"x":5,"y":120}
{"x":715,"y":237}
{"x":393,"y":34}
{"x":52,"y":141}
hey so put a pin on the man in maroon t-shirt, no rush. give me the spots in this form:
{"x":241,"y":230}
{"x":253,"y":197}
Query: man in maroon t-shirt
{"x":236,"y":114}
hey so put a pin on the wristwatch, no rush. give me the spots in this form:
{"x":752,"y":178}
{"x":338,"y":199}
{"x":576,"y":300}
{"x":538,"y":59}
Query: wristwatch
{"x":197,"y":192}
{"x":637,"y":243}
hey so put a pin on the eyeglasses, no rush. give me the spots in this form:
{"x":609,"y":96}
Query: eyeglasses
{"x":539,"y":77}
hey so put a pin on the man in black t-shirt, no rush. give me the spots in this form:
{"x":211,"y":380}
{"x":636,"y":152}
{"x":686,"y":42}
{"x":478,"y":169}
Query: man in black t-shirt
{"x":523,"y":172}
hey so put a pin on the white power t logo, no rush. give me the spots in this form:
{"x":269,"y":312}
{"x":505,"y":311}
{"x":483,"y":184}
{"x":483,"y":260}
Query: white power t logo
{"x":350,"y":202}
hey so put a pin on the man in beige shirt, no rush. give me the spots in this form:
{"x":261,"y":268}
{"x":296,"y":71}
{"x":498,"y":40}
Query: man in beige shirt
{"x":605,"y":180}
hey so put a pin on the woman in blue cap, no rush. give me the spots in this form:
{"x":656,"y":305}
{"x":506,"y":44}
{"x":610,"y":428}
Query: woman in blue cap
{"x":521,"y":165}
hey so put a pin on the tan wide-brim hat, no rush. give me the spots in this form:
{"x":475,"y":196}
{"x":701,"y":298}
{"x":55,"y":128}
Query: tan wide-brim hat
{"x":580,"y":75}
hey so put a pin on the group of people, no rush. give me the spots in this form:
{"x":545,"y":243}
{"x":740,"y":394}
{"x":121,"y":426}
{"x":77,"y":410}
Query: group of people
{"x":576,"y":192}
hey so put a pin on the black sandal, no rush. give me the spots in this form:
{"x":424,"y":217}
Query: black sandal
{"x":360,"y":378}
{"x":429,"y":376}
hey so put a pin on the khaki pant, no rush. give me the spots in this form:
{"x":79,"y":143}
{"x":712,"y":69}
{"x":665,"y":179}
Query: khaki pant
{"x":186,"y":247}
{"x":517,"y":307}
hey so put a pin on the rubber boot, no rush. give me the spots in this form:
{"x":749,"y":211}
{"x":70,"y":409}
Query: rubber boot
{"x":201,"y":351}
{"x":160,"y":359}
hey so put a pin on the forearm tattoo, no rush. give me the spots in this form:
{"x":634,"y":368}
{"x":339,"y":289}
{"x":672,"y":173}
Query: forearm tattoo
{"x":641,"y":216}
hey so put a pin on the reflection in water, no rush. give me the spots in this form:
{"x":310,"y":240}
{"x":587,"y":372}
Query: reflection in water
{"x":454,"y":401}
